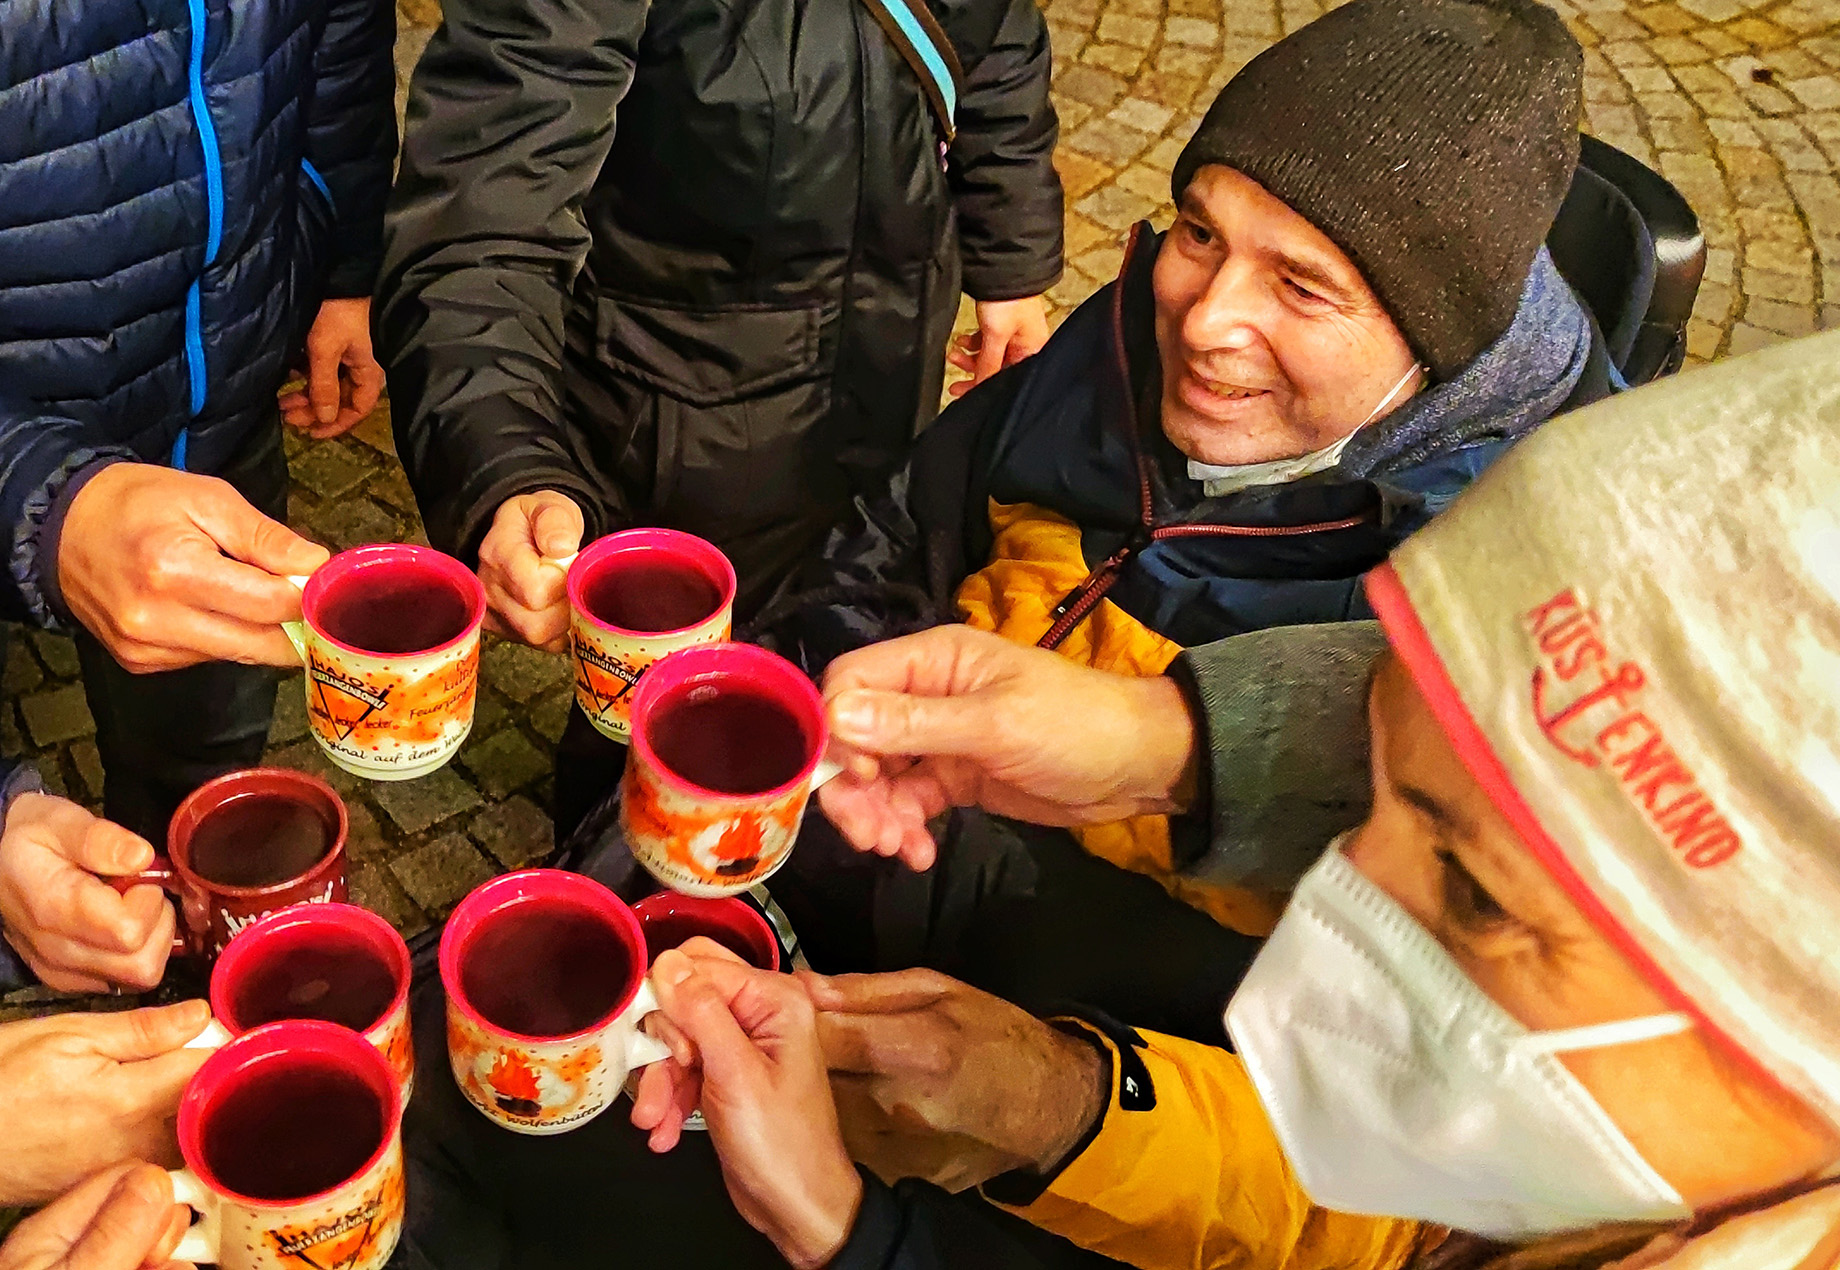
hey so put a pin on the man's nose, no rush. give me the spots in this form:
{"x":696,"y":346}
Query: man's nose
{"x":1229,"y":315}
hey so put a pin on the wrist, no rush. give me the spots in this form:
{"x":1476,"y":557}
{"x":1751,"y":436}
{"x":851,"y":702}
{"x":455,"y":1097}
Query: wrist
{"x":1167,"y":745}
{"x":1080,"y":1092}
{"x":814,"y":1236}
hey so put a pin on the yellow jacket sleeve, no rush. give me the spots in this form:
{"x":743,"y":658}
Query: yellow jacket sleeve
{"x":1185,"y":1171}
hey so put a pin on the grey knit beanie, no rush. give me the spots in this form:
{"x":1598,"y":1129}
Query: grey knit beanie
{"x":1431,"y":140}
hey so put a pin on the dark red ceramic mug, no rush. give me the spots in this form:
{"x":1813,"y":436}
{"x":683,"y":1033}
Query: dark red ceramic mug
{"x":246,"y":845}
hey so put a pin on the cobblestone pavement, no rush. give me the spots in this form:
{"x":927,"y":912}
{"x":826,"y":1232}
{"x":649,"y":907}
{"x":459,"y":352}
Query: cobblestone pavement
{"x":1736,"y":101}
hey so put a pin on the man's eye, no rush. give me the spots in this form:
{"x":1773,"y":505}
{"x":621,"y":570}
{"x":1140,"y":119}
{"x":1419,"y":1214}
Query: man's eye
{"x":1200,"y":235}
{"x":1302,"y":293}
{"x":1466,"y":900}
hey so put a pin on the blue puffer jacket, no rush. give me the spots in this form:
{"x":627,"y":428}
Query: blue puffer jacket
{"x":182,"y":182}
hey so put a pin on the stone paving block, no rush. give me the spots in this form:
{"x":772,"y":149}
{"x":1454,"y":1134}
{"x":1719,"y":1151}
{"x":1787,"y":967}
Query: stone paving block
{"x":1192,"y":32}
{"x":1117,"y":58}
{"x":353,"y":522}
{"x":1080,"y":174}
{"x":1734,"y":132}
{"x":549,"y":715}
{"x":1145,"y":116}
{"x":1780,"y":318}
{"x":1793,"y":64}
{"x":503,"y":762}
{"x":392,"y":487}
{"x":373,"y":885}
{"x":1779,"y":257}
{"x":1678,"y":50}
{"x":1748,"y":339}
{"x":1142,"y":179}
{"x":375,"y":431}
{"x":330,"y":471}
{"x":22,"y":670}
{"x":306,"y":756}
{"x":1257,"y":20}
{"x":1704,"y":338}
{"x":1090,"y":84}
{"x":1790,"y":288}
{"x":1626,"y":54}
{"x":517,"y":832}
{"x":57,"y":715}
{"x":1758,"y":33}
{"x":1131,"y":32}
{"x":364,"y":836}
{"x":1109,"y":142}
{"x":1073,"y":289}
{"x":1115,"y":208}
{"x":58,"y":653}
{"x":1199,"y":64}
{"x":87,"y":759}
{"x":1163,"y":155}
{"x":1102,"y":262}
{"x":419,"y":804}
{"x":290,"y":719}
{"x":521,"y":672}
{"x":1721,"y":264}
{"x":12,"y":739}
{"x":489,"y":713}
{"x":51,"y":776}
{"x":438,"y":874}
{"x":1666,"y":19}
{"x":1714,"y":302}
{"x":1769,"y":100}
{"x":1830,"y":317}
{"x":1648,"y":79}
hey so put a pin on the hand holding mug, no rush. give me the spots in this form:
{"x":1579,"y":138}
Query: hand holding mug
{"x":528,"y":593}
{"x":88,"y":1090}
{"x":765,"y":1097}
{"x":169,"y":569}
{"x":75,"y":931}
{"x":954,"y":717}
{"x":123,"y":1218}
{"x":935,"y":1079}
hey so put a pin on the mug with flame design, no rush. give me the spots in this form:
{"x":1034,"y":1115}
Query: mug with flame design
{"x":726,"y":747}
{"x":545,"y":974}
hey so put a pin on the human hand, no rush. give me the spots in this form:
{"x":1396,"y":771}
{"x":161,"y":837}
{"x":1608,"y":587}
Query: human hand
{"x":124,"y":1218}
{"x":76,"y":932}
{"x":90,"y":1090}
{"x":528,"y":593}
{"x":169,"y":569}
{"x":955,"y":717}
{"x":344,"y":380}
{"x":937,"y":1080}
{"x":764,"y":1094}
{"x":1008,"y":331}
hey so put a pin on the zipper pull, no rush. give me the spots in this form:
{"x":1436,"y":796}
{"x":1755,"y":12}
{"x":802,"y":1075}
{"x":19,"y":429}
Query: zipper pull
{"x":1110,"y":565}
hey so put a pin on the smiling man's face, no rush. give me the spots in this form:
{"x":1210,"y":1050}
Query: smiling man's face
{"x":1272,"y":344}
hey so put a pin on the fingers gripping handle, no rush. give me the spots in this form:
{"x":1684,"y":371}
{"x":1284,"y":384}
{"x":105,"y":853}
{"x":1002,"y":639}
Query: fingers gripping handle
{"x":641,"y":1049}
{"x":161,"y":874}
{"x":200,"y":1244}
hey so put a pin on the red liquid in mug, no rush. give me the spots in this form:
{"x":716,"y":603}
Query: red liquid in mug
{"x":255,"y":840}
{"x":393,"y":609}
{"x":638,"y":591}
{"x":294,"y":1127}
{"x":727,"y":739}
{"x":545,"y":970}
{"x":676,"y":929}
{"x":338,"y":977}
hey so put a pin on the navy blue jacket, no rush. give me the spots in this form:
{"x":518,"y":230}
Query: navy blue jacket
{"x":181,"y":185}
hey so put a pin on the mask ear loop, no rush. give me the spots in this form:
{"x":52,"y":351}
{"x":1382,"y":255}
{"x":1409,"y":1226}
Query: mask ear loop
{"x":1392,"y":392}
{"x":1601,"y":1035}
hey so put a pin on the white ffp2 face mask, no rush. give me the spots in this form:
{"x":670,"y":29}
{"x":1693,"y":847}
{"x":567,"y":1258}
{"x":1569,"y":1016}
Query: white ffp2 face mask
{"x":1398,"y":1088}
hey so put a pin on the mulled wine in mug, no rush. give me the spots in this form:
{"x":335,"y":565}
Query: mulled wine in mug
{"x":390,"y":639}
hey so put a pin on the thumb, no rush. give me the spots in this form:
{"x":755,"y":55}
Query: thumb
{"x":134,"y":1035}
{"x":898,"y":723}
{"x":699,"y":1010}
{"x":991,"y":354}
{"x":557,"y":526}
{"x":110,"y":850}
{"x":246,"y":534}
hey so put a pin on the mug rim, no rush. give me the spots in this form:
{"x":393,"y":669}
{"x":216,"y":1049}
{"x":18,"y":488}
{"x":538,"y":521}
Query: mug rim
{"x":510,"y":890}
{"x":242,"y":948}
{"x":181,"y":856}
{"x":667,"y":902}
{"x":727,"y":660}
{"x":349,"y":561}
{"x":260,"y":1044}
{"x":705,"y":554}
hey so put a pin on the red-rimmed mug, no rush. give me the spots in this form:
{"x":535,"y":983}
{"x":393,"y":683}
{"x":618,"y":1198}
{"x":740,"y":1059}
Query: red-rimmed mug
{"x":336,"y":963}
{"x":292,"y":1141}
{"x":545,"y":974}
{"x":669,"y":919}
{"x":390,"y":640}
{"x":635,"y":596}
{"x":726,"y":743}
{"x":212,"y":910}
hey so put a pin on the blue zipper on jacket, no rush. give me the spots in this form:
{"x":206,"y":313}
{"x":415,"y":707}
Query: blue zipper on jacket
{"x":214,"y":229}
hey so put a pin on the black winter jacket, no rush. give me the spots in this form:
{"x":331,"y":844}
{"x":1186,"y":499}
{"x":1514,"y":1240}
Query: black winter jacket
{"x":695,"y":263}
{"x":181,"y":184}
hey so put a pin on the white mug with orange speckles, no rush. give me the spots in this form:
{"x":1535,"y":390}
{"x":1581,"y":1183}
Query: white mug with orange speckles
{"x":726,"y":748}
{"x":545,"y":974}
{"x":390,"y":639}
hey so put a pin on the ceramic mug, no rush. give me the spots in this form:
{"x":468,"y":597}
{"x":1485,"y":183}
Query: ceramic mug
{"x":292,"y":1141}
{"x":545,"y":975}
{"x":688,"y":833}
{"x":334,"y":962}
{"x":211,"y":909}
{"x":651,"y":577}
{"x":390,"y":639}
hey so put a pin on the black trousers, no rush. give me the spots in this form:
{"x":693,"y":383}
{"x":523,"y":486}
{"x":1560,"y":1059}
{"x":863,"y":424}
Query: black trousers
{"x":163,"y":735}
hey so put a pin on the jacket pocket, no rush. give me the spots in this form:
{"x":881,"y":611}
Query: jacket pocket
{"x":708,"y":356}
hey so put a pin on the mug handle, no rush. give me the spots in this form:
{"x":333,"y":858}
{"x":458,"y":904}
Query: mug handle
{"x":214,"y":1036}
{"x":297,"y":631}
{"x":163,"y":875}
{"x":826,"y":771}
{"x":641,"y":1049}
{"x":200,"y":1243}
